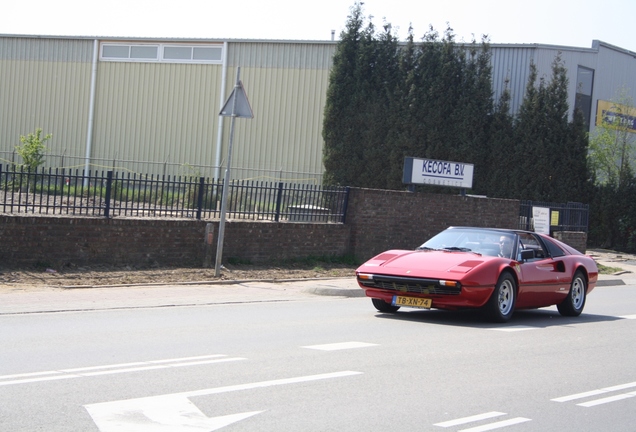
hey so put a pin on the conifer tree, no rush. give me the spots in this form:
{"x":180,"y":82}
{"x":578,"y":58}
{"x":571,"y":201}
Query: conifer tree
{"x":498,"y":153}
{"x":340,"y":128}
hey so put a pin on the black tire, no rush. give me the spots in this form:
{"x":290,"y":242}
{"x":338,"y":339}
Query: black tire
{"x":383,"y":306}
{"x":501,"y":304}
{"x":575,"y":301}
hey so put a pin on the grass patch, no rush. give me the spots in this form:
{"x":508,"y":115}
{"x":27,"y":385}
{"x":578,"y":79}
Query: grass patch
{"x":603,"y":269}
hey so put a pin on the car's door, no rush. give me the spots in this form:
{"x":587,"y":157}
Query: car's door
{"x":542,"y":279}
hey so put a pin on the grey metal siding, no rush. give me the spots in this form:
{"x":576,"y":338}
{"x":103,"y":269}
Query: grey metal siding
{"x":287,"y":86}
{"x":615,"y":76}
{"x":44,"y":83}
{"x":511,"y":64}
{"x":157,"y":112}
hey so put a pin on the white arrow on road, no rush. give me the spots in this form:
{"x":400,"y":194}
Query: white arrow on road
{"x":176,"y":413}
{"x":173,"y":413}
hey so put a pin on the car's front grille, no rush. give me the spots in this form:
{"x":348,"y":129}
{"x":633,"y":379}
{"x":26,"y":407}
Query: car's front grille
{"x":410,"y":285}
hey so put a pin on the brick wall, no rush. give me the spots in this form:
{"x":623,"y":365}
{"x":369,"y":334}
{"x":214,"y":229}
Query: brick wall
{"x":576,"y":239}
{"x":382,"y":219}
{"x":377,"y":220}
{"x":55,"y":241}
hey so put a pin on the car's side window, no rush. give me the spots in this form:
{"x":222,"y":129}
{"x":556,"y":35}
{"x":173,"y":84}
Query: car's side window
{"x":530,"y":241}
{"x":554,"y":250}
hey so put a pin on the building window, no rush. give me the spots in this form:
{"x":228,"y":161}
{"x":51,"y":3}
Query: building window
{"x":584,"y":87}
{"x":195,"y":54}
{"x":162,"y":53}
{"x":129,"y":52}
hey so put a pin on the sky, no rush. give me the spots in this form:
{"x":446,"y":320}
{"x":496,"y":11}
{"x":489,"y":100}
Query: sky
{"x":555,"y":22}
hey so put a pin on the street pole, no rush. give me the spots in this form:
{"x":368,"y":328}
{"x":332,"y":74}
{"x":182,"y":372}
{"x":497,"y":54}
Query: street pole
{"x":226,"y":182}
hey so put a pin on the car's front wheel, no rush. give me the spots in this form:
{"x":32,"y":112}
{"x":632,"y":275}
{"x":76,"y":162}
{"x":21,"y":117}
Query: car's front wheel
{"x":502,"y":302}
{"x":383,"y":306}
{"x":575,"y":301}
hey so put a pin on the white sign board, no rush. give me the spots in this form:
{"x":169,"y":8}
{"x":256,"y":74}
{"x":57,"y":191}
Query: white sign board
{"x":541,"y":218}
{"x":437,"y":173}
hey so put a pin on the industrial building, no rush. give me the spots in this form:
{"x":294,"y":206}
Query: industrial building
{"x":152,"y":106}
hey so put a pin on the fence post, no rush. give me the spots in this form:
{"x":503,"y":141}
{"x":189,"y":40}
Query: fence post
{"x":279,"y":198}
{"x":200,"y":197}
{"x":109,"y":184}
{"x":345,"y":204}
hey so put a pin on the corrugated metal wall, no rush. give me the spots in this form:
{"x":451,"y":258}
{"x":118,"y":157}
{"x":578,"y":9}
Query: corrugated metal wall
{"x":157,"y":112}
{"x":164,"y":116}
{"x":287,"y":86}
{"x":512,"y":64}
{"x":44,"y":83}
{"x":615,"y":76}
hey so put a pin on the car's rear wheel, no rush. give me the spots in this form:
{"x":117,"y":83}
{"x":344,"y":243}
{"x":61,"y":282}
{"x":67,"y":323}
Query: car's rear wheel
{"x":501,"y":304}
{"x":575,"y":301}
{"x":383,"y":306}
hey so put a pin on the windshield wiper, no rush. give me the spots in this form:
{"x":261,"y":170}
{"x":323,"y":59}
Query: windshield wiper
{"x":426,"y":248}
{"x":457,"y":249}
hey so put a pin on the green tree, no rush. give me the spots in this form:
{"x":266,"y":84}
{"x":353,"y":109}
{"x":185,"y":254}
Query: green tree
{"x":342,"y":152}
{"x":613,"y":145}
{"x":474,"y":113}
{"x":386,"y":101}
{"x":549,"y":149}
{"x":32,"y":149}
{"x":613,"y":210}
{"x":380,"y":82}
{"x":498,"y":154}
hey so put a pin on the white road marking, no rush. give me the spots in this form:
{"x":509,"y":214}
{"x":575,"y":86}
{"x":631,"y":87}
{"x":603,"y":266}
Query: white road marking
{"x":470,"y":419}
{"x":514,"y":328}
{"x":340,"y":346}
{"x":606,"y":400}
{"x":599,"y":392}
{"x":113,"y":369}
{"x":497,"y":425}
{"x":628,"y":316}
{"x":480,"y":417}
{"x":162,"y":413}
{"x":578,"y":396}
{"x":176,"y":413}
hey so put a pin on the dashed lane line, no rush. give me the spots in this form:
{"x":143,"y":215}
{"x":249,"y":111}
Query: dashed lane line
{"x":340,"y":346}
{"x":90,"y":371}
{"x":470,"y":419}
{"x":598,"y":392}
{"x":480,"y":417}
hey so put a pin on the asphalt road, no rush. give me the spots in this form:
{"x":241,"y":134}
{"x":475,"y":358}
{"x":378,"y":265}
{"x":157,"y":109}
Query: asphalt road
{"x":281,"y":358}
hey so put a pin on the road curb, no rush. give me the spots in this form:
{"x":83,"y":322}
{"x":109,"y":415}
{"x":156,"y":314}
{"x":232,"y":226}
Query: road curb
{"x":336,"y":292}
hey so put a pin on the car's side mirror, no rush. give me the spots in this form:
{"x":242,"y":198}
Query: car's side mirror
{"x":527,"y":254}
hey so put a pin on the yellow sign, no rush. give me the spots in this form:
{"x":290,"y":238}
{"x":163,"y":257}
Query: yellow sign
{"x":554,"y":218}
{"x":617,"y":115}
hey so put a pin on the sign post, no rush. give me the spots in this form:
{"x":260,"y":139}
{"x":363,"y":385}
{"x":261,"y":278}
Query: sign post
{"x":236,"y":105}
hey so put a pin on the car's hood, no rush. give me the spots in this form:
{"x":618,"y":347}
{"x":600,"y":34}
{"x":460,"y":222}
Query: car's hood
{"x":434,"y":264}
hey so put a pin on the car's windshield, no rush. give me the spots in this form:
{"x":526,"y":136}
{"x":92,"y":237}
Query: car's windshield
{"x":482,"y":241}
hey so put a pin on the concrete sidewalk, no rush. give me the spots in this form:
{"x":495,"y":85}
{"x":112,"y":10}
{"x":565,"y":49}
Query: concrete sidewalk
{"x":48,"y":299}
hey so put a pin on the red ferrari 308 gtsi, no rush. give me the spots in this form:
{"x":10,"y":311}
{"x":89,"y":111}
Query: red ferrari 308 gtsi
{"x":497,"y":270}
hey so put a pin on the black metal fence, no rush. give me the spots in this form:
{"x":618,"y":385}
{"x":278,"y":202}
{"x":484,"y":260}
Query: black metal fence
{"x":110,"y":194}
{"x":569,"y":216}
